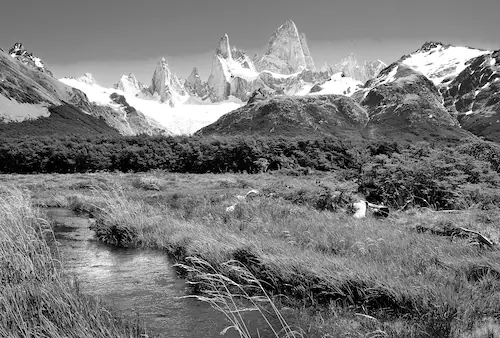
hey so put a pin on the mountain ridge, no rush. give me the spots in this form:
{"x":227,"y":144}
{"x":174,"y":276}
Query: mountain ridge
{"x":287,"y":69}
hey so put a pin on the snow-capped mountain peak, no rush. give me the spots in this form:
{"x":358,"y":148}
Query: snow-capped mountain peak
{"x":129,"y":84}
{"x":441,"y":63}
{"x":87,"y":78}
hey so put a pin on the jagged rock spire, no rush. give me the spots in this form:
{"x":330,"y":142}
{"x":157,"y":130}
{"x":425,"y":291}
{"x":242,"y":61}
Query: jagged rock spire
{"x":288,"y":45}
{"x":166,"y":84}
{"x":223,"y":49}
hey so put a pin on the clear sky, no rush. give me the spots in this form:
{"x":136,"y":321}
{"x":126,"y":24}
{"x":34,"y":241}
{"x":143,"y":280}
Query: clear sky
{"x":111,"y":37}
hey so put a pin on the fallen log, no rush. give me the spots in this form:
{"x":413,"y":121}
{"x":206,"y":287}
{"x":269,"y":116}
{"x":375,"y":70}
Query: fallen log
{"x":457,"y":232}
{"x":482,"y":239}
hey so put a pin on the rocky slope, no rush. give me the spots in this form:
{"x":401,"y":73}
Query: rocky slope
{"x":332,"y":115}
{"x":466,"y":78}
{"x":402,"y":102}
{"x":474,"y":96}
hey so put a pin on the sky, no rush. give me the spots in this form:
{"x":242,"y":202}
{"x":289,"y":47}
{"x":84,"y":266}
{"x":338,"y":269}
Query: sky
{"x":109,"y":38}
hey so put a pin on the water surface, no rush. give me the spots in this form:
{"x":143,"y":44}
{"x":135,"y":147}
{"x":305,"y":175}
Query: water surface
{"x":138,"y":283}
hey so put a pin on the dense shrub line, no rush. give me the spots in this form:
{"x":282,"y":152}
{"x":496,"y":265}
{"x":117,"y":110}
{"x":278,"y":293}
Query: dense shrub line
{"x":436,"y":178}
{"x":174,"y":154}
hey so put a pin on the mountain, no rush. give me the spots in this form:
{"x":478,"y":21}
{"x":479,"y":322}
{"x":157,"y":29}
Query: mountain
{"x":466,"y":78}
{"x":328,"y":115}
{"x":291,"y":71}
{"x":438,"y":92}
{"x":350,"y":68}
{"x":155,"y":117}
{"x":400,"y":104}
{"x":30,"y":92}
{"x":128,"y":83}
{"x":117,"y":112}
{"x":167,"y":85}
{"x":287,"y":52}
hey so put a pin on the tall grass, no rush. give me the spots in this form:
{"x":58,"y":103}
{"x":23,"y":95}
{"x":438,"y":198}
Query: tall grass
{"x":237,"y":295}
{"x":36,"y":300}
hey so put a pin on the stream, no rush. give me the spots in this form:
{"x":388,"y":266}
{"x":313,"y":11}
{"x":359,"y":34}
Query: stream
{"x":138,"y":283}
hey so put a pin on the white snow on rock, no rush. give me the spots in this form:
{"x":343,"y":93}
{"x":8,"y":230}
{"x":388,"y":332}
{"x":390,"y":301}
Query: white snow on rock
{"x":339,"y":85}
{"x":234,"y":69}
{"x":442,"y":61}
{"x":13,"y":111}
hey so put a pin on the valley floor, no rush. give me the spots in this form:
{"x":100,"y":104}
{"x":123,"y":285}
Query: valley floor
{"x":330,"y":275}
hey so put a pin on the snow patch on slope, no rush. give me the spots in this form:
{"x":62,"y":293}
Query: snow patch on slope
{"x":94,"y":92}
{"x":13,"y":111}
{"x":339,"y":85}
{"x":183,"y":119}
{"x":281,"y":76}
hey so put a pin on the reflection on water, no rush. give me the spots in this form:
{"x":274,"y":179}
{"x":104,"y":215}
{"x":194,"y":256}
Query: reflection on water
{"x":135,"y":282}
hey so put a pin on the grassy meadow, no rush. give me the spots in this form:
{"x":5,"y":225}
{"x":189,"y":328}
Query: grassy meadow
{"x":330,"y":275}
